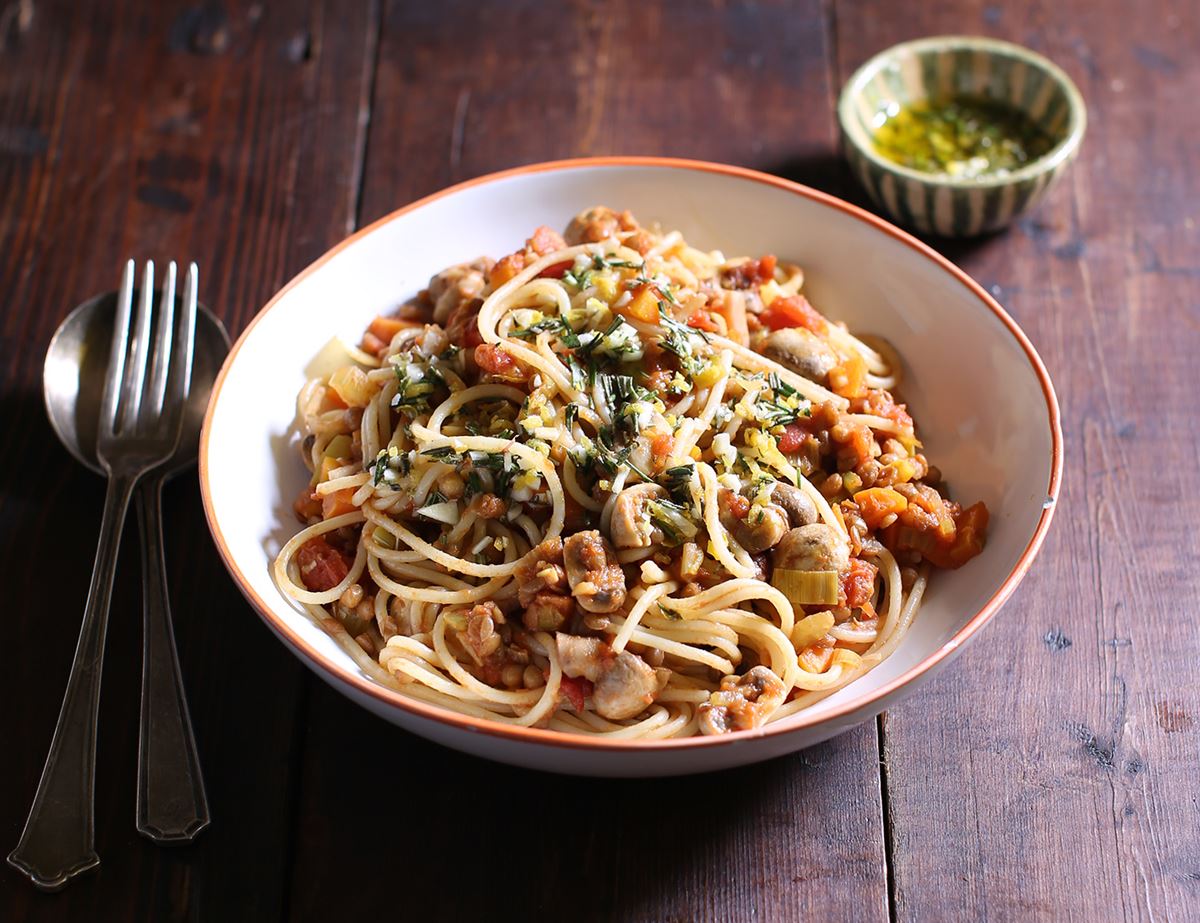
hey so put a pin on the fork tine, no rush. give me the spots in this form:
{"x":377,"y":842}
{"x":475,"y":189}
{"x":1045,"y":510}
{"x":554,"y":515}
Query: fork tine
{"x":135,"y":373}
{"x":116,"y":354}
{"x":181,"y":357}
{"x":160,"y":362}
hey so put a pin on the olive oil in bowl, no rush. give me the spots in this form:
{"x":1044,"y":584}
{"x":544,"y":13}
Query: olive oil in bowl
{"x":961,"y":137}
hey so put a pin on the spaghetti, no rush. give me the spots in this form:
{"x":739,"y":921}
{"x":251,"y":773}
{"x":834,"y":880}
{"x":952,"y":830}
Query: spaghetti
{"x":614,"y":485}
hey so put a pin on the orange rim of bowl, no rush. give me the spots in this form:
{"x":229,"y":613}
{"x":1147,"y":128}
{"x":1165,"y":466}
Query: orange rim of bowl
{"x":337,"y":672}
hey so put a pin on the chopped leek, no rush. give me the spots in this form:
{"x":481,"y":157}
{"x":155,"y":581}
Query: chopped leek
{"x":672,"y":520}
{"x":811,"y":629}
{"x":446,"y":512}
{"x":383,"y":537}
{"x":338,"y":447}
{"x":807,"y":587}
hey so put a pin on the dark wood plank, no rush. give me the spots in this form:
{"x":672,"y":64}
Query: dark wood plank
{"x":463,"y":90}
{"x":1053,"y":772}
{"x":226,"y":135}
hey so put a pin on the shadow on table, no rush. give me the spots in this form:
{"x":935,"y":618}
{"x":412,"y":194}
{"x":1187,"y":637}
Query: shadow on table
{"x":453,"y":837}
{"x":829,"y":173}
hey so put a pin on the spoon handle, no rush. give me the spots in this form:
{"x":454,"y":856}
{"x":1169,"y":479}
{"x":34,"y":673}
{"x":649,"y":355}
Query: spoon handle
{"x":58,"y":841}
{"x":172,"y":806}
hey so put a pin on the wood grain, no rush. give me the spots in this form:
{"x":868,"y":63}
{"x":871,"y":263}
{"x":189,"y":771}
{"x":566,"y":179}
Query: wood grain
{"x":161,"y":131}
{"x":1051,"y":774}
{"x":761,"y":842}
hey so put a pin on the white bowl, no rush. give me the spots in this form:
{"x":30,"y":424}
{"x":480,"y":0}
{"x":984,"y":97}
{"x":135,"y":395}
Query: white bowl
{"x":984,"y":406}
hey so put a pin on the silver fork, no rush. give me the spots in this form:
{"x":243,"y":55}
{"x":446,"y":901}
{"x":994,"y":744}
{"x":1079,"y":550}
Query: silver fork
{"x":138,"y":430}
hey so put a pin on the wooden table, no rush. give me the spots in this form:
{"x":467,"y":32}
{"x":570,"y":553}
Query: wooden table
{"x":1053,"y":772}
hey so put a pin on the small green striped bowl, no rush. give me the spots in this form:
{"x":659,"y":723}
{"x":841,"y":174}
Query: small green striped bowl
{"x":959,"y":66}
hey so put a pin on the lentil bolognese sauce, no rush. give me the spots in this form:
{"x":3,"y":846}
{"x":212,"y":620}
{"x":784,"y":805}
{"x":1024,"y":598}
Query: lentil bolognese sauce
{"x":612,"y":484}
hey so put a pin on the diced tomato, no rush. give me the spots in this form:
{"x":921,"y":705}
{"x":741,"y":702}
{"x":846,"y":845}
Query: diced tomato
{"x":701,"y":320}
{"x":575,"y":517}
{"x":737,"y":505}
{"x":858,"y":583}
{"x":860,"y":442}
{"x":881,"y":403}
{"x":322,"y":567}
{"x":817,"y":657}
{"x":751,"y":272}
{"x":489,"y":506}
{"x":576,"y":689}
{"x":658,"y":370}
{"x":545,"y":240}
{"x":661,"y":447}
{"x":793,"y":311}
{"x":555,"y":270}
{"x":495,"y":361}
{"x":791,"y":439}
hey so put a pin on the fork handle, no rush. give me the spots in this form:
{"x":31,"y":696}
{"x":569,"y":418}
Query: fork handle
{"x":58,"y":841}
{"x":171,"y":803}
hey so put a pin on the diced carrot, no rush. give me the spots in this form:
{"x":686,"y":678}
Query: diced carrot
{"x":850,"y":378}
{"x":733,"y":308}
{"x":307,"y":505}
{"x":323,"y":469}
{"x":877,"y":503}
{"x":643,"y":306}
{"x":506,"y":268}
{"x":384,"y":328}
{"x":372,"y":344}
{"x":337,"y":503}
{"x":970,"y":535}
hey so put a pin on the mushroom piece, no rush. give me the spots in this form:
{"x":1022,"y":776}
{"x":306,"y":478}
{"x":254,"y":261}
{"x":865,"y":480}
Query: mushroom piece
{"x":815,"y":547}
{"x":802,"y":351}
{"x":624,"y":683}
{"x":742,"y":702}
{"x":596,"y":579}
{"x":631,"y":526}
{"x":541,"y":572}
{"x":762,"y":528}
{"x":548,"y":612}
{"x":594,"y":224}
{"x":801,"y":511}
{"x":456,"y":285}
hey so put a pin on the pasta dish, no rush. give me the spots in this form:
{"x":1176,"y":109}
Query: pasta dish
{"x":611,"y":484}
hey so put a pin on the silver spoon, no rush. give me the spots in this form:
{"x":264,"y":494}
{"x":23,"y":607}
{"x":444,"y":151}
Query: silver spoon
{"x":171,"y":803}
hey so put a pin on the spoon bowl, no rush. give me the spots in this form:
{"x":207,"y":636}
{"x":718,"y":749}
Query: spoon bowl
{"x":76,"y":363}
